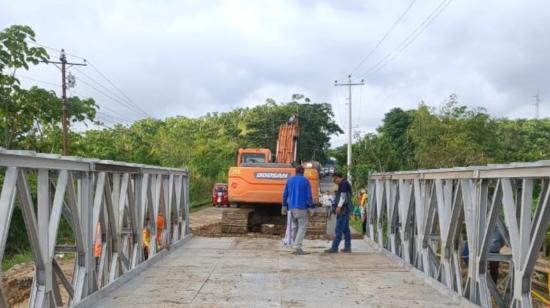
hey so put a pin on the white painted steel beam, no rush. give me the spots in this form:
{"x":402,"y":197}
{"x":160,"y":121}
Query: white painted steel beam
{"x":427,"y":217}
{"x":95,"y":197}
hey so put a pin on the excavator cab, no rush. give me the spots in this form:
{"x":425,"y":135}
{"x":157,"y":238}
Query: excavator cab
{"x":253,"y":156}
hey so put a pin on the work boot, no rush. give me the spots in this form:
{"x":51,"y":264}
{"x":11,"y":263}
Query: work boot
{"x":346,"y":250}
{"x":299,"y":252}
{"x":331,"y":251}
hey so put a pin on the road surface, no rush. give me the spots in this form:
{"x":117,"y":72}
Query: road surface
{"x":244,"y":272}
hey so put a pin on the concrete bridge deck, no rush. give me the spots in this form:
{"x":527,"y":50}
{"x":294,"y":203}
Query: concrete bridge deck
{"x":258,"y":272}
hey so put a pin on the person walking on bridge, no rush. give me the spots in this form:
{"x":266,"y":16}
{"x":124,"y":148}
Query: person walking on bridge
{"x":297,"y":197}
{"x":343,"y":208}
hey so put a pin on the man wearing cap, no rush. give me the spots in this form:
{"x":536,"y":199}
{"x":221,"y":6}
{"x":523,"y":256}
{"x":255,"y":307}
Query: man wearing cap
{"x":343,"y":209}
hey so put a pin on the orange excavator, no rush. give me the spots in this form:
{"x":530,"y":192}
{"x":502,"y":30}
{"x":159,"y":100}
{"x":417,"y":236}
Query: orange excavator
{"x":256,"y":184}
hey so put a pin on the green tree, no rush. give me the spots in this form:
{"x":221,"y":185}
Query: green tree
{"x":317,"y":125}
{"x":15,"y":53}
{"x":37,"y":127}
{"x":521,"y":140}
{"x":454,"y":136}
{"x":394,"y":140}
{"x":30,"y":117}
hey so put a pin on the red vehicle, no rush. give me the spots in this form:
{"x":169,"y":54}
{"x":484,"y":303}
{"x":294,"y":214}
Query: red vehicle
{"x":219,"y":195}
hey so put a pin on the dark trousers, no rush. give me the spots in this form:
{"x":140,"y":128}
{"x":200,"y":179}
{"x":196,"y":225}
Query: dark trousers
{"x":493,"y":270}
{"x":364,"y":227}
{"x":342,"y":228}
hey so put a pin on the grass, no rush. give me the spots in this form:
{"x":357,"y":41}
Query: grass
{"x":199,"y":205}
{"x":8,"y":263}
{"x":357,"y":225}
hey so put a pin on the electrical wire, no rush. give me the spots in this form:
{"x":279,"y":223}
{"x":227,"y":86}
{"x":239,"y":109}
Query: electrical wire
{"x":54,"y":49}
{"x":111,"y":94}
{"x":390,"y":30}
{"x":115,"y":118}
{"x":127,"y":99}
{"x":105,"y":107}
{"x":106,"y":95}
{"x":38,"y":80}
{"x":357,"y":114}
{"x":118,"y":89}
{"x":338,"y":104}
{"x":409,"y":39}
{"x":106,"y":120}
{"x":97,"y":83}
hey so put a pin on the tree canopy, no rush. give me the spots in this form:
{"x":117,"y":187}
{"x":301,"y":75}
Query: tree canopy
{"x":31,"y":114}
{"x":449,"y":136}
{"x":208,"y":145}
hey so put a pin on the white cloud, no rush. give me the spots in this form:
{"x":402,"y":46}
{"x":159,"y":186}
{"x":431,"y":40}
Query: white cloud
{"x":193,"y":57}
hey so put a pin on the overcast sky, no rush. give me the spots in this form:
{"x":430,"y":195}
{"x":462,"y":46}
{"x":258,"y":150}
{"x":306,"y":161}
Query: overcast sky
{"x":193,"y":57}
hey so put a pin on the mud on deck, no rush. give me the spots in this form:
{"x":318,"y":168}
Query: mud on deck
{"x":208,"y":223}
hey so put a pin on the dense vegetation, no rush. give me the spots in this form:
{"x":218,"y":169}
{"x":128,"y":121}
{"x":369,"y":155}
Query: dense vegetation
{"x":208,"y":145}
{"x":449,"y":136}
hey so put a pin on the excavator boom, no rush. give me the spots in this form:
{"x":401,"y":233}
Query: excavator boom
{"x":287,"y":143}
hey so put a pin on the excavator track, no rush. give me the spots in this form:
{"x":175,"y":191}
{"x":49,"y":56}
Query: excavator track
{"x":236,"y":220}
{"x":317,"y":224}
{"x":245,"y":220}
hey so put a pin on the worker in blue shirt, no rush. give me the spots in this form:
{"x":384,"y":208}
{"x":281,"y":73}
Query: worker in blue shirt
{"x":297,"y":197}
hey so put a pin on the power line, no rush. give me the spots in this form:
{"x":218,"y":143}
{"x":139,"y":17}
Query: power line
{"x":105,"y":107}
{"x":55,"y":49}
{"x":338,"y":104}
{"x":114,"y":112}
{"x":103,"y":125}
{"x":98,"y":83}
{"x":122,"y":98}
{"x":38,"y":80}
{"x":109,"y":96}
{"x":102,"y":122}
{"x":126,"y":97}
{"x":106,"y":118}
{"x":118,"y":89}
{"x":409,"y":39}
{"x":115,"y":118}
{"x":390,"y":30}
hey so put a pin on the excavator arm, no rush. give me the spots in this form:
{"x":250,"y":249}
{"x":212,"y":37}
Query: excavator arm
{"x":287,"y":143}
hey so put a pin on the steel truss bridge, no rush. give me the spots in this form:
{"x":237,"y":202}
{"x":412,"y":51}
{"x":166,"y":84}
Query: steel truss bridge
{"x":419,"y":223}
{"x":427,"y":217}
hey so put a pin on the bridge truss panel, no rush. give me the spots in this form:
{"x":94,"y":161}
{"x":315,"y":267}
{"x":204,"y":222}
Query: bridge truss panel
{"x":106,"y":204}
{"x":444,"y":222}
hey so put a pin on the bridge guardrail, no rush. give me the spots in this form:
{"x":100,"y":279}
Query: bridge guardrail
{"x":104,"y":202}
{"x":428,"y":217}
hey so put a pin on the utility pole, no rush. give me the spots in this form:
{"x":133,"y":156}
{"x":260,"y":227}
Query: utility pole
{"x":537,"y":104}
{"x":65,"y":115}
{"x":349,"y":84}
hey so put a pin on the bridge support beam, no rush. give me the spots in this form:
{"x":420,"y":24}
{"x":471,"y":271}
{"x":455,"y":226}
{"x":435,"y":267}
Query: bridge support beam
{"x":451,"y":224}
{"x":105,"y":203}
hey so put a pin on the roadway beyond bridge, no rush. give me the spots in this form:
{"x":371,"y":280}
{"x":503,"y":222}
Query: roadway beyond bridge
{"x":258,"y":272}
